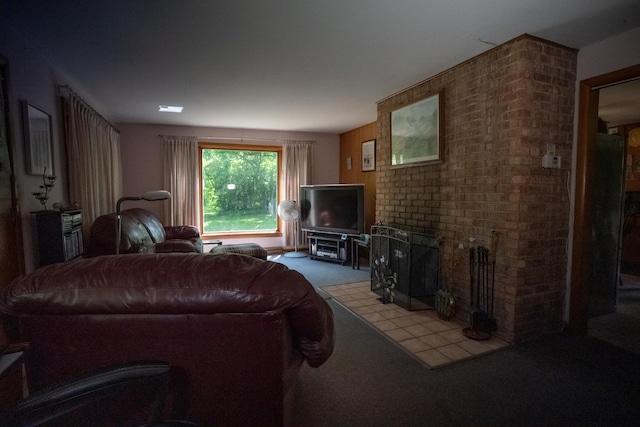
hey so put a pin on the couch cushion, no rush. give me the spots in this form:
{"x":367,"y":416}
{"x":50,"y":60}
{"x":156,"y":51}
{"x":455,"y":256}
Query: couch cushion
{"x":179,"y":246}
{"x":181,"y":232}
{"x":251,"y":249}
{"x":149,"y":221}
{"x":103,"y":235}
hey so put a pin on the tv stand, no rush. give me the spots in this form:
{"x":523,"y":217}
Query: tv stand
{"x":329,"y":247}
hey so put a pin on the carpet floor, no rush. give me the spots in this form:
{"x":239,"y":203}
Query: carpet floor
{"x":561,"y":380}
{"x":324,"y":273}
{"x":369,"y":380}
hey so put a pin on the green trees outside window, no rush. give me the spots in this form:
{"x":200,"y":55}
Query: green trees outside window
{"x":239,"y":190}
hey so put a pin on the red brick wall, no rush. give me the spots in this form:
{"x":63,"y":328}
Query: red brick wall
{"x":501,"y":109}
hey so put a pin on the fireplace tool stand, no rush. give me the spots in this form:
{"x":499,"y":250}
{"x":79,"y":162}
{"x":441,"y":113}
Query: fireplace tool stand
{"x":481,"y":293}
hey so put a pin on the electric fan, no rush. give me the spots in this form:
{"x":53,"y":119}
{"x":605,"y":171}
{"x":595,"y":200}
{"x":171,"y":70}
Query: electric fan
{"x":289,"y":212}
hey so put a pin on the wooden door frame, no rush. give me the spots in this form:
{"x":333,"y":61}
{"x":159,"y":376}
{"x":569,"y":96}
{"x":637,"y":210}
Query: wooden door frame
{"x":9,"y":331}
{"x":584,"y":197}
{"x":15,"y":213}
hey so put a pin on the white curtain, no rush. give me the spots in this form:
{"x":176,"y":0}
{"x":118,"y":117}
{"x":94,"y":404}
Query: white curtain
{"x":93,"y":158}
{"x":181,"y":166}
{"x":296,"y":171}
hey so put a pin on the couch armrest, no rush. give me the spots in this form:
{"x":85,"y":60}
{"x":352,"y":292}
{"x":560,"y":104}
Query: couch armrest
{"x":317,"y":351}
{"x":98,"y":385}
{"x":181,"y":231}
{"x":180,"y":245}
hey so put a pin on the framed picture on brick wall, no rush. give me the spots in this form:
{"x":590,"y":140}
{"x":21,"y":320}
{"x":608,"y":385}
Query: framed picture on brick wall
{"x":416,"y":132}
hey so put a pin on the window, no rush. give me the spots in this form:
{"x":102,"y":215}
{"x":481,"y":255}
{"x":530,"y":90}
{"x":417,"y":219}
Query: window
{"x":239,"y":188}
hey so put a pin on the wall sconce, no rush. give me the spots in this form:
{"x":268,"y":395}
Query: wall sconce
{"x":45,"y":188}
{"x":149,"y":196}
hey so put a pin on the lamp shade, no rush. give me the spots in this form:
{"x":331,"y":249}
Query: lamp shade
{"x":156,"y":195}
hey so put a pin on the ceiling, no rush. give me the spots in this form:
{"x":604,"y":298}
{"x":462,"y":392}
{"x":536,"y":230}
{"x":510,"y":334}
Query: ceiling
{"x":317,"y":66}
{"x":619,"y":104}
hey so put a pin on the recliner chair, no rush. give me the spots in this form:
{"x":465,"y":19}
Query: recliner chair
{"x":142,"y":231}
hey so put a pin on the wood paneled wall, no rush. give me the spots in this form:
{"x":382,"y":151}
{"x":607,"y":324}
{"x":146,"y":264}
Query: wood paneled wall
{"x":351,"y":148}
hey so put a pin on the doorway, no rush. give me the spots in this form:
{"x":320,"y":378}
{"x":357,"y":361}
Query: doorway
{"x":619,"y":324}
{"x":11,"y":264}
{"x":11,"y":252}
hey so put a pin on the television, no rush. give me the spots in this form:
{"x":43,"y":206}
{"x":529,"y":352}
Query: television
{"x":332,"y":208}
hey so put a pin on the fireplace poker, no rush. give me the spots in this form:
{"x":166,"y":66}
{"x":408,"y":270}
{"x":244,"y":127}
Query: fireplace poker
{"x":491,"y":321}
{"x":485,"y":263}
{"x":472,"y":263}
{"x":480,"y":314}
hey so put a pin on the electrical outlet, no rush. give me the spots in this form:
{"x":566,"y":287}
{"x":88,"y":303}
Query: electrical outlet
{"x":551,"y":162}
{"x":551,"y":149}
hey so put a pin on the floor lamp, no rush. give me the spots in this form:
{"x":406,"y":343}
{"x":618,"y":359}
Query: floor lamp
{"x":149,"y":196}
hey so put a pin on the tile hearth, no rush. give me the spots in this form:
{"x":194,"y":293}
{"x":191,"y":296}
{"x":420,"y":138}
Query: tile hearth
{"x":431,"y":340}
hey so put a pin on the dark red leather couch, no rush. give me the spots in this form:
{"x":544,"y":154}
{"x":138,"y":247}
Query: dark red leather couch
{"x":141,"y":232}
{"x":235,"y":329}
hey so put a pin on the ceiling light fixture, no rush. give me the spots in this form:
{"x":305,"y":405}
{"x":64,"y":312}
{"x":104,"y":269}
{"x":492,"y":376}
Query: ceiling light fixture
{"x":170,"y":109}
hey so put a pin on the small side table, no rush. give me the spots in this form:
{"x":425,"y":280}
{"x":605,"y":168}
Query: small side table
{"x":216,"y":242}
{"x":356,"y":244}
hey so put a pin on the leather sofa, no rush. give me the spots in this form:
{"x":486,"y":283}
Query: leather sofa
{"x":235,"y":329}
{"x":141,"y":232}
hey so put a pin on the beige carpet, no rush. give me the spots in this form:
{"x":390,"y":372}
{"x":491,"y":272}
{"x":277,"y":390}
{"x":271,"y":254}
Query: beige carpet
{"x":431,"y":340}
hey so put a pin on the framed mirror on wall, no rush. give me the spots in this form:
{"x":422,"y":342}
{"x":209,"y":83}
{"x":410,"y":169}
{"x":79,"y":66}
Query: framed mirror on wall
{"x":38,"y":140}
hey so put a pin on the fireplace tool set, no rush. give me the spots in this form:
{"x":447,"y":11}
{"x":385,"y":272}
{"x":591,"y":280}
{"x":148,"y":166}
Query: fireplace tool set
{"x":482,"y":280}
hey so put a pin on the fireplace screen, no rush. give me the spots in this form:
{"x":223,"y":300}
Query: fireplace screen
{"x":405,"y":267}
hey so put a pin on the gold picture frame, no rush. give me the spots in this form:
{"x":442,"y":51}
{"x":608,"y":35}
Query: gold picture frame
{"x":417,"y":132}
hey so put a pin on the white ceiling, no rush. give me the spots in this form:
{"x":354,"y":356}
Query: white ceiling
{"x":620,"y":104}
{"x":296,"y":65}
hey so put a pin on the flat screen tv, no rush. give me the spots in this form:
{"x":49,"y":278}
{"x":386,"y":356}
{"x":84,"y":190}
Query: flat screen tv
{"x":334,"y":208}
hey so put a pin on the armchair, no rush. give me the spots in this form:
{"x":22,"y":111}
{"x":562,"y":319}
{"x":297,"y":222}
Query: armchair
{"x":65,"y":402}
{"x":141,"y":232}
{"x":235,"y":329}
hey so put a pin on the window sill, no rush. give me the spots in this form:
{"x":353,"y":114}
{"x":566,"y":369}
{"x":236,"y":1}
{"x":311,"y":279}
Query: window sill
{"x":239,"y":235}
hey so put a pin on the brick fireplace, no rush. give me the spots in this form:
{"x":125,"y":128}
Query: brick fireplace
{"x":410,"y":261}
{"x":501,"y":109}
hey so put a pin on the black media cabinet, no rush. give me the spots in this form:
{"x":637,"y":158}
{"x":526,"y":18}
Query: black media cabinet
{"x":329,"y":247}
{"x":58,"y":236}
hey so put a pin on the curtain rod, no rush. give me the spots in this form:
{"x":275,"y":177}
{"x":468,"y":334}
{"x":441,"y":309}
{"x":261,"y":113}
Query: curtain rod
{"x":86,"y":104}
{"x":234,"y":138}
